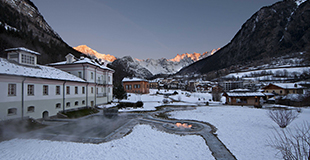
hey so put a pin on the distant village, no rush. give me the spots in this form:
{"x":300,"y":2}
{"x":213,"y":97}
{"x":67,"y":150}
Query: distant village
{"x":238,"y":91}
{"x":43,"y":91}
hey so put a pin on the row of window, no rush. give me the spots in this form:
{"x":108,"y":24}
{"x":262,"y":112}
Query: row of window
{"x":129,"y":87}
{"x":13,"y":111}
{"x":30,"y":90}
{"x":281,"y":91}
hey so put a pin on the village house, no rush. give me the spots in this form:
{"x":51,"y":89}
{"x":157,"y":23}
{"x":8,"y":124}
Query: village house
{"x":39,"y":91}
{"x":154,"y":84}
{"x":243,"y":97}
{"x":136,"y":85}
{"x":283,"y":88}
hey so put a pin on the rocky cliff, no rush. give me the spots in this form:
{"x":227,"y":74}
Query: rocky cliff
{"x":22,"y":25}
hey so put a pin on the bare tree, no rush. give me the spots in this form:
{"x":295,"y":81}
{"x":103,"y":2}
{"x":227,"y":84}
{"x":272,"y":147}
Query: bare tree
{"x":293,"y":144}
{"x":282,"y":117}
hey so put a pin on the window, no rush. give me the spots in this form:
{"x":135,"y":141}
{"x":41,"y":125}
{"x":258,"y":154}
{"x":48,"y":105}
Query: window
{"x":68,"y":89}
{"x":76,"y":103}
{"x":83,"y":90}
{"x":293,"y":91}
{"x":136,"y":86}
{"x":281,"y":92}
{"x":45,"y":89}
{"x":12,"y":111}
{"x":30,"y":109}
{"x":92,"y":90}
{"x":76,"y":90}
{"x":83,"y":102}
{"x":109,"y":79}
{"x":57,"y":90}
{"x":97,"y":90}
{"x":68,"y":104}
{"x":58,"y":105}
{"x":128,"y":87}
{"x":30,"y":90}
{"x":91,"y":75}
{"x":12,"y":89}
{"x":109,"y":90}
{"x":27,"y":59}
{"x":80,"y":74}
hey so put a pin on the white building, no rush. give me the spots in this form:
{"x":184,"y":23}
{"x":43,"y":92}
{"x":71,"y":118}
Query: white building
{"x":97,"y":76}
{"x":38,"y":91}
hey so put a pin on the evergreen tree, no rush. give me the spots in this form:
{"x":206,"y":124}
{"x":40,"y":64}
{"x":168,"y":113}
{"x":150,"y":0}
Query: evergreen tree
{"x":119,"y":92}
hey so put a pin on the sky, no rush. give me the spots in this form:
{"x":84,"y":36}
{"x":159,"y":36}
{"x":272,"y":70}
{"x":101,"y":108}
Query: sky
{"x":148,"y":28}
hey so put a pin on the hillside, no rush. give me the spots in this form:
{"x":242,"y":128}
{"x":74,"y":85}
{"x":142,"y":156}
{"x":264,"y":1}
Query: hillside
{"x":280,"y":29}
{"x":22,"y":25}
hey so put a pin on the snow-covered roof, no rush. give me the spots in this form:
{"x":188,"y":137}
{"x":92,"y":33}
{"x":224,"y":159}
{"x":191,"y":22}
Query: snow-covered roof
{"x":288,"y":85}
{"x":22,"y":49}
{"x":269,"y":94}
{"x":84,"y":60}
{"x":294,"y":97}
{"x":245,"y":94}
{"x":133,"y":80}
{"x":40,"y":71}
{"x":240,"y":90}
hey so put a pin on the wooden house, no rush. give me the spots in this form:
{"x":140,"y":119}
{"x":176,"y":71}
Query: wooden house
{"x":243,"y":97}
{"x":136,"y":85}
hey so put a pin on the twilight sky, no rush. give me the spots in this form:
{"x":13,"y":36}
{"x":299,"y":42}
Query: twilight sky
{"x":148,"y":28}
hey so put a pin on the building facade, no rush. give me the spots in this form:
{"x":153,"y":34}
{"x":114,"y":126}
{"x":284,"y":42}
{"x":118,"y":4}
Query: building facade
{"x":38,"y":91}
{"x":136,"y":85}
{"x":95,"y":74}
{"x":243,"y":97}
{"x":283,"y":88}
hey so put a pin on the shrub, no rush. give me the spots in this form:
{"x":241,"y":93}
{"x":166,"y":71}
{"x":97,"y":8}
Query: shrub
{"x":282,"y":117}
{"x":139,"y":104}
{"x":293,"y":144}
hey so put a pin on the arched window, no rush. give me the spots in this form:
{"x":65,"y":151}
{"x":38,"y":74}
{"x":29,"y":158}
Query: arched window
{"x":68,"y":104}
{"x":76,"y":103}
{"x":58,"y":105}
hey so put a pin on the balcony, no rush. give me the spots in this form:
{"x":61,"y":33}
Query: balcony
{"x":101,"y":82}
{"x":101,"y":95}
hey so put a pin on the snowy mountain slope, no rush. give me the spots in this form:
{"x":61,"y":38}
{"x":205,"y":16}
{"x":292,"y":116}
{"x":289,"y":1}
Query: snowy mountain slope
{"x":171,"y":66}
{"x":155,"y":66}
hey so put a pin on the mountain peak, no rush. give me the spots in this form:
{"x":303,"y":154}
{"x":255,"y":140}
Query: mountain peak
{"x":193,"y":56}
{"x":88,"y":51}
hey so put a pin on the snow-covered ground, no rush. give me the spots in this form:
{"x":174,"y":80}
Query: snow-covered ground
{"x":143,"y":143}
{"x":244,"y":130}
{"x":289,"y":70}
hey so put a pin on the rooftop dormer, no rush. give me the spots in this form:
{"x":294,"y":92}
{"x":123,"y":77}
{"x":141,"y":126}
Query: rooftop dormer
{"x":23,"y":56}
{"x":70,"y":58}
